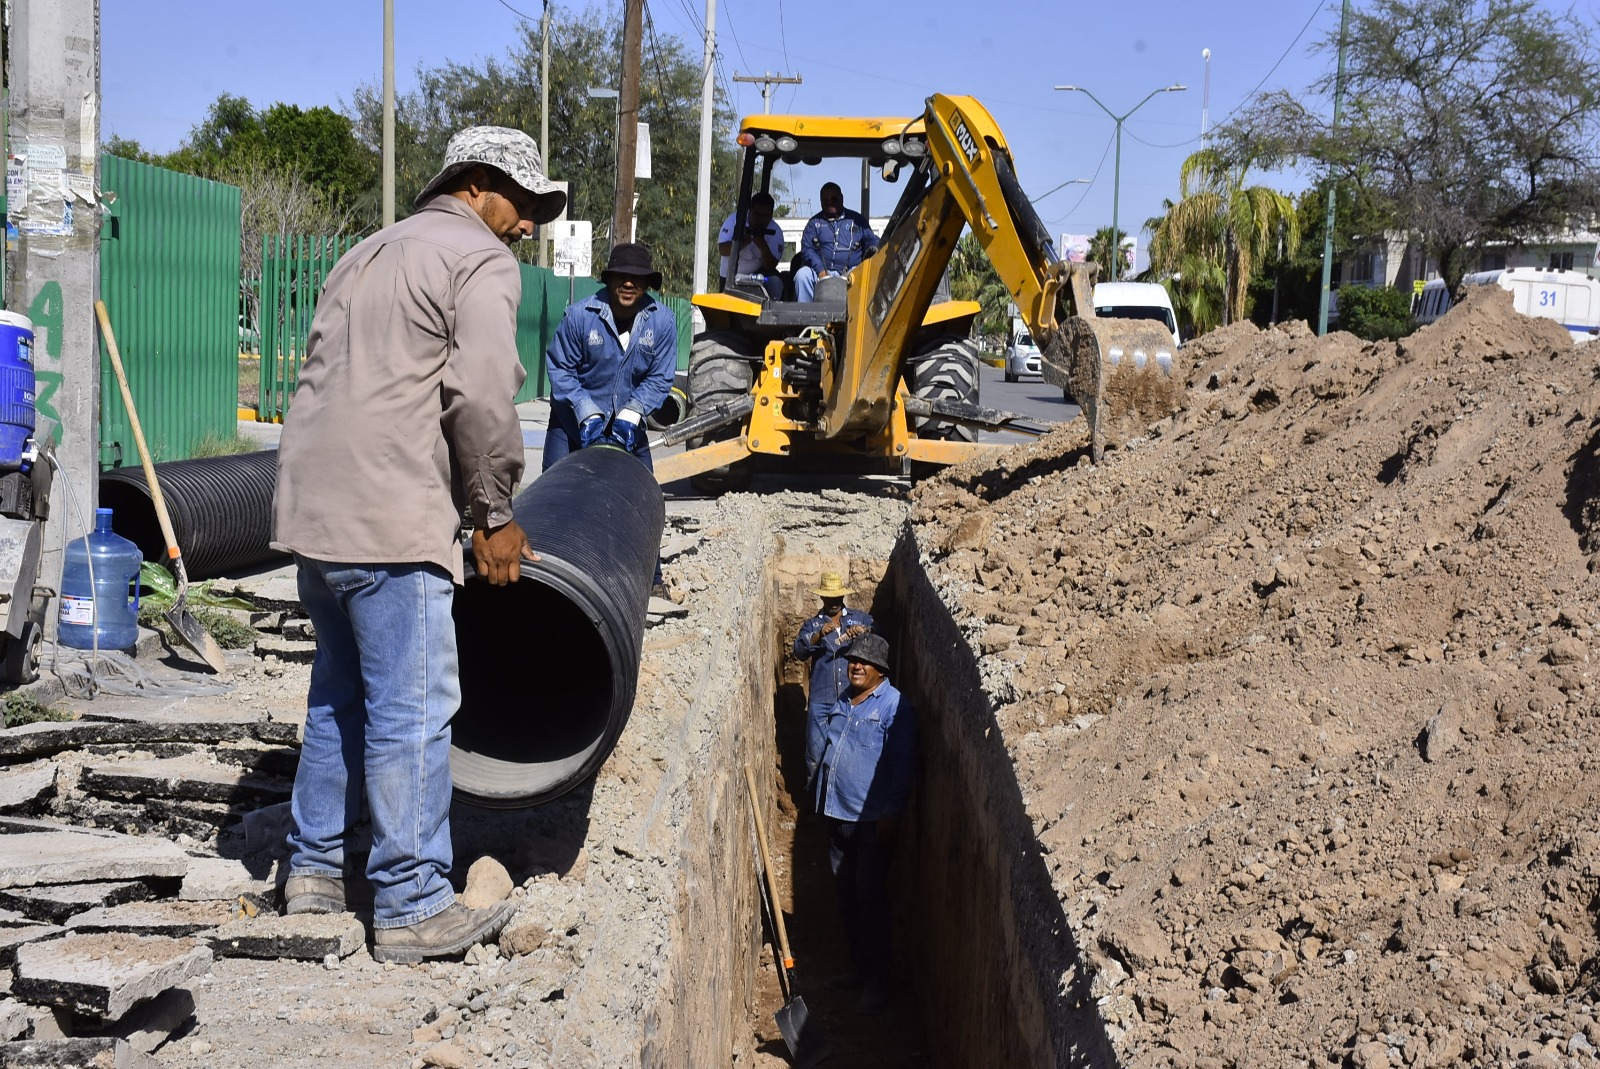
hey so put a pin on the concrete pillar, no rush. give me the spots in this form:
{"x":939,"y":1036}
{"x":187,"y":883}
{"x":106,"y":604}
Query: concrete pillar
{"x":54,"y":276}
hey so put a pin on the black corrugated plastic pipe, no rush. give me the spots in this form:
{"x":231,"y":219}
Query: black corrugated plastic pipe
{"x":221,"y":509}
{"x":549,"y":664}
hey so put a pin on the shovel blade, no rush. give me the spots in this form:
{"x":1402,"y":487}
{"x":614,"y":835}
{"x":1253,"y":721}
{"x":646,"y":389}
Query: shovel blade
{"x":804,"y":1039}
{"x":195,"y":636}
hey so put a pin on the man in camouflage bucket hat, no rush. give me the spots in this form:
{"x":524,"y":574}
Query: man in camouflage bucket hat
{"x":404,"y":419}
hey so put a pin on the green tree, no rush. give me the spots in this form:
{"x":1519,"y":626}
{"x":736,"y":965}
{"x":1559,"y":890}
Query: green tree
{"x":1472,"y":120}
{"x":1103,"y":250}
{"x":585,"y":51}
{"x":973,"y":278}
{"x":1221,"y":222}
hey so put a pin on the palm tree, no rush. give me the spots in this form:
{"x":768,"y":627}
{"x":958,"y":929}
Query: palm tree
{"x":1220,"y":227}
{"x":973,"y":278}
{"x":1103,"y":250}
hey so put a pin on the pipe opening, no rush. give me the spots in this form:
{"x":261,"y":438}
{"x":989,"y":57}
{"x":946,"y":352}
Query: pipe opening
{"x":519,"y":740}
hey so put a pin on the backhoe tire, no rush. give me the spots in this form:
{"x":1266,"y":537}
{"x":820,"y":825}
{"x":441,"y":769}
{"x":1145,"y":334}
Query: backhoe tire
{"x":944,"y":369}
{"x":721,"y":368}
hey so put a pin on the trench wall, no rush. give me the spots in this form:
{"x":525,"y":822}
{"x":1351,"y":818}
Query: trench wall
{"x":1003,"y":985}
{"x":700,"y":1016}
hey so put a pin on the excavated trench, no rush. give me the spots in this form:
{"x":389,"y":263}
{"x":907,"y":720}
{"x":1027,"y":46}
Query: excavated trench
{"x":986,"y":969}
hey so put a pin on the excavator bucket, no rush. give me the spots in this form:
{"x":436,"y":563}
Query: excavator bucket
{"x":1120,"y":372}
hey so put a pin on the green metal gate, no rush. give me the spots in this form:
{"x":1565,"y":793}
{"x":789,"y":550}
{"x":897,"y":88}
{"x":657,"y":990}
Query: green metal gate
{"x":294,"y":269}
{"x":169,"y":275}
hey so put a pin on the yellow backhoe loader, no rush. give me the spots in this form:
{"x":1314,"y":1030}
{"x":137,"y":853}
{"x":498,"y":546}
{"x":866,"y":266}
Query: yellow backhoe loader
{"x":877,"y":367}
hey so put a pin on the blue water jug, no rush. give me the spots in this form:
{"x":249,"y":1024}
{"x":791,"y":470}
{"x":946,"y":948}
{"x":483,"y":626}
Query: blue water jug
{"x":108,"y":609}
{"x":16,"y":387}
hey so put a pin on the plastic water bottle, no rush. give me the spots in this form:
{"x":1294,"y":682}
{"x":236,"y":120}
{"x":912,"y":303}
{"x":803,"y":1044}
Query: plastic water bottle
{"x":108,"y":609}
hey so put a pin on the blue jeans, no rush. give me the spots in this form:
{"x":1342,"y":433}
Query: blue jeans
{"x":805,"y":282}
{"x":861,"y":878}
{"x":384,"y":686}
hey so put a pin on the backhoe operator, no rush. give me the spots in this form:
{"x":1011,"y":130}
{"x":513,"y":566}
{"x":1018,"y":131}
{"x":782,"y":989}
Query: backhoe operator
{"x":835,"y":240}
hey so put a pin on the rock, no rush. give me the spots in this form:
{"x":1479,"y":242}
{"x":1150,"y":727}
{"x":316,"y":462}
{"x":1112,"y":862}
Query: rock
{"x":445,"y":1056}
{"x":1546,"y":978}
{"x":218,"y":879}
{"x":105,"y":975}
{"x":972,"y":532}
{"x":1261,"y":940}
{"x":524,"y":935}
{"x":1568,"y":650}
{"x":488,"y":882}
{"x":150,"y":1024}
{"x":55,"y":903}
{"x":1443,"y":731}
{"x":12,"y":938}
{"x":1370,"y":1056}
{"x":13,"y":1019}
{"x":188,"y":777}
{"x":1138,"y":942}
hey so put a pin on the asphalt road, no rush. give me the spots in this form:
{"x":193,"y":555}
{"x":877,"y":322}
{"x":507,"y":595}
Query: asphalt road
{"x":1031,"y":397}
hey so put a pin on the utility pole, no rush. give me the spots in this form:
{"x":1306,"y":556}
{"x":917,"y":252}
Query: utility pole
{"x":1327,"y":236}
{"x":628,"y":121}
{"x":55,"y":134}
{"x":767,"y":81}
{"x":702,"y":201}
{"x":544,"y":116}
{"x":388,"y":112}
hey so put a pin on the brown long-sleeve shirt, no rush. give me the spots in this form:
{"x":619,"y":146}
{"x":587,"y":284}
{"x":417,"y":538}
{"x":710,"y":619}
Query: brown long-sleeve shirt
{"x":404,"y":412}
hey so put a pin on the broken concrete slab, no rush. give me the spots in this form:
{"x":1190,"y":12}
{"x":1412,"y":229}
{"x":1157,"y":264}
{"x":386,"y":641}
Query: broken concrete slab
{"x":106,"y":974}
{"x":45,"y":737}
{"x":10,"y":918}
{"x":169,"y":918}
{"x":54,"y":903}
{"x":185,"y":721}
{"x":11,"y":939}
{"x":216,"y":879}
{"x":286,"y":649}
{"x":13,"y":1019}
{"x":190,"y":777}
{"x":105,"y":1052}
{"x":151,"y":1023}
{"x":78,"y":856}
{"x":303,"y":937}
{"x":23,"y":787}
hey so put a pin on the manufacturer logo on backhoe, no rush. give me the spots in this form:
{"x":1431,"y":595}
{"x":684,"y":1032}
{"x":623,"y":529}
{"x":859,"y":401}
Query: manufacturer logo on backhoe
{"x":968,"y":143}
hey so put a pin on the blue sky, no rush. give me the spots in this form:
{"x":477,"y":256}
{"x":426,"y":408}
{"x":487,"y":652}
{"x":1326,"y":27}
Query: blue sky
{"x":163,"y":63}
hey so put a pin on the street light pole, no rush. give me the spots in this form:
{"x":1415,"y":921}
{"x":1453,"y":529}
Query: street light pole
{"x":1116,"y":173}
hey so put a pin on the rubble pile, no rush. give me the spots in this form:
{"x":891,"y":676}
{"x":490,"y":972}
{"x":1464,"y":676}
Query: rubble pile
{"x":1300,"y":694}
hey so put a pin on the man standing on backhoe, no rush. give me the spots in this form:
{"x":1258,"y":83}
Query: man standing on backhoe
{"x":835,"y":240}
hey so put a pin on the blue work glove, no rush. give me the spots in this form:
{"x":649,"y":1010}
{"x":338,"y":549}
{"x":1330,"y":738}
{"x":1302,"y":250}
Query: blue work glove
{"x":591,"y":431}
{"x":627,"y":431}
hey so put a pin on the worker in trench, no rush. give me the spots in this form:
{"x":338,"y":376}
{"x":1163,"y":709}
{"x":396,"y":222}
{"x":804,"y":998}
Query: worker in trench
{"x":823,"y":640}
{"x":403,"y":419}
{"x":864,"y":778}
{"x":611,"y":364}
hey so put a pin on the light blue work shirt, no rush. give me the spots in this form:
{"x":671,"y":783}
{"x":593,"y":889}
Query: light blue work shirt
{"x":836,"y":245}
{"x":869,"y":757}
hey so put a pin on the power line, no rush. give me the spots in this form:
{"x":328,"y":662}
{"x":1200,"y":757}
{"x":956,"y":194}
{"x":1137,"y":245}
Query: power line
{"x":783,"y":38}
{"x":1316,"y":9}
{"x":514,"y":11}
{"x":1092,"y":180}
{"x":727,"y":13}
{"x":655,"y":49}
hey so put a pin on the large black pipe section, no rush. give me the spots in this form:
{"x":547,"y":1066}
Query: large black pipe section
{"x":550,"y":663}
{"x":221,"y":509}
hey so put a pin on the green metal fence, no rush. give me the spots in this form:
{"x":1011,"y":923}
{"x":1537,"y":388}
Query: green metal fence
{"x":169,"y":275}
{"x":291,"y":280}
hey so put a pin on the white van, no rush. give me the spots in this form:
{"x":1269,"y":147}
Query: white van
{"x":1136,"y":300}
{"x":1571,"y":298}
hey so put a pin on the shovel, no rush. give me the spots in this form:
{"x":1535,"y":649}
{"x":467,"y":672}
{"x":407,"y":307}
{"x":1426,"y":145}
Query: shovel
{"x":194,"y":635}
{"x":804,"y":1040}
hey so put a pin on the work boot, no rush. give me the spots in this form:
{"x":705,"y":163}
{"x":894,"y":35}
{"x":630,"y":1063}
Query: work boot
{"x":313,"y":894}
{"x":443,"y":935}
{"x":874,"y":999}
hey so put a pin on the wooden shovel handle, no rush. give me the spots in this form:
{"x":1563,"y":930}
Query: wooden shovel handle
{"x":138,"y":432}
{"x":766,"y":867}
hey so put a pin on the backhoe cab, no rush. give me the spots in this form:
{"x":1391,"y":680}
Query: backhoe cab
{"x":880,"y":366}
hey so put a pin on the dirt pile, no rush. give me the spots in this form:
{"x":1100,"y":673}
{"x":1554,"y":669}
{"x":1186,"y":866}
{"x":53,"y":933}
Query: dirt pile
{"x":1300,"y":695}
